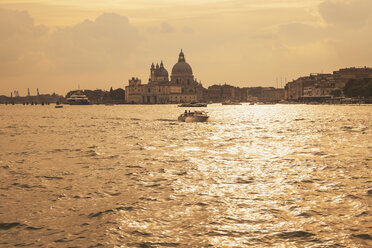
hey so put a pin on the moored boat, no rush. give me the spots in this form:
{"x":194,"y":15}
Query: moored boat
{"x":195,"y":116}
{"x":193,"y":104}
{"x":228,"y":102}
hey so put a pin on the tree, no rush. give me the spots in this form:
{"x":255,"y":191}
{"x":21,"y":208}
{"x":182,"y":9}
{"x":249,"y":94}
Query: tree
{"x":358,"y":88}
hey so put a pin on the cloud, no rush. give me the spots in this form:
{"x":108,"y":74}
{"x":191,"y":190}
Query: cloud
{"x":346,"y":13}
{"x":166,"y":27}
{"x":107,"y":42}
{"x":188,"y":30}
{"x":295,"y":33}
{"x":21,"y":42}
{"x":163,"y":28}
{"x":90,"y":52}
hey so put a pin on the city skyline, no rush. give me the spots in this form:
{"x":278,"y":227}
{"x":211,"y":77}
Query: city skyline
{"x":56,"y":47}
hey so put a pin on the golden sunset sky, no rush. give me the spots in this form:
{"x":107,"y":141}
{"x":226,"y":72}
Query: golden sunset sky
{"x":57,"y":45}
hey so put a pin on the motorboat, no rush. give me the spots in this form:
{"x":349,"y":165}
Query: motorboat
{"x":195,"y":116}
{"x":193,"y":104}
{"x":78,"y":98}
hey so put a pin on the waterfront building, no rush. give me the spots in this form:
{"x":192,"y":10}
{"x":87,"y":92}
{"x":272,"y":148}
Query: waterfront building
{"x":354,"y":73}
{"x":310,"y":87}
{"x":182,"y":88}
{"x":271,"y":95}
{"x":225,"y":92}
{"x":134,"y":91}
{"x":262,"y":94}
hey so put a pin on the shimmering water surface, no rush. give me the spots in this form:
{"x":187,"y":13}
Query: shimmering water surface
{"x":132,"y":176}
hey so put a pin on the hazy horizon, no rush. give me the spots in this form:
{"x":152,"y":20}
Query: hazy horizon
{"x":57,"y":47}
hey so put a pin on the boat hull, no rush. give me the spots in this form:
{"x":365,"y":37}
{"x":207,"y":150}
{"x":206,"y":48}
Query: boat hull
{"x":193,"y":118}
{"x":79,"y":102}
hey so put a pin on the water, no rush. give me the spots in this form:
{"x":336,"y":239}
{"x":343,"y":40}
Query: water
{"x":132,"y":176}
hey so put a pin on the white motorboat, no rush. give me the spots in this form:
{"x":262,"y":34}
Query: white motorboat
{"x":195,"y":116}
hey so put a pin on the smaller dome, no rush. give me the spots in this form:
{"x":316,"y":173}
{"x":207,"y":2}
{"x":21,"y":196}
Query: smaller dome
{"x":161,"y":72}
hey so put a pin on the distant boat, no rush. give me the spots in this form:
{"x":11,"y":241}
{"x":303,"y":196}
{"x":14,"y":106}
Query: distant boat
{"x":78,"y":98}
{"x":193,"y":104}
{"x":196,"y":116}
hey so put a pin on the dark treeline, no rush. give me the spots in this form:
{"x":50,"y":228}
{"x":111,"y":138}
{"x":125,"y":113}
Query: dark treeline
{"x":98,"y":96}
{"x":359,"y":88}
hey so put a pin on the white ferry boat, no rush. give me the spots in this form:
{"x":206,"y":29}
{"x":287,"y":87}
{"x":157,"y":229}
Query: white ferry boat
{"x":78,"y":98}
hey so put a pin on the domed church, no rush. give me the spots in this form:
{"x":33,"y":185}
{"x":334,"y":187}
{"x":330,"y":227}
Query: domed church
{"x":182,"y":87}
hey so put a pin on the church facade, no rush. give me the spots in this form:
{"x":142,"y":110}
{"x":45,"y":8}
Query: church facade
{"x":181,"y":88}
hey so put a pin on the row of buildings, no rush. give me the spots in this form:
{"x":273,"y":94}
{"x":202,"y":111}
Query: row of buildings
{"x":223,"y":93}
{"x":321,"y":87}
{"x":182,"y":87}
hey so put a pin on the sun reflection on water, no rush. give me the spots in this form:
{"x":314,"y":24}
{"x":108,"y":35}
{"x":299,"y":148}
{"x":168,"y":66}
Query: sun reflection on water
{"x":252,"y":176}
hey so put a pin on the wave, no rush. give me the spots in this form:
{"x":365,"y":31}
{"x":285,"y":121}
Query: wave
{"x":294,"y":234}
{"x":362,"y":236}
{"x":93,"y":215}
{"x":10,"y":225}
{"x":154,"y":244}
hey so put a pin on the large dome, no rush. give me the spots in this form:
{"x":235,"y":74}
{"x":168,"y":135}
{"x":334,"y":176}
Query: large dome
{"x":181,"y":67}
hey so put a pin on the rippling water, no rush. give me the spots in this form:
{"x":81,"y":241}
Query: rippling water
{"x":132,"y":176}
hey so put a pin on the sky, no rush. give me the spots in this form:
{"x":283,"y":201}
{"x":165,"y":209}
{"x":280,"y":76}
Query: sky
{"x":58,"y":46}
